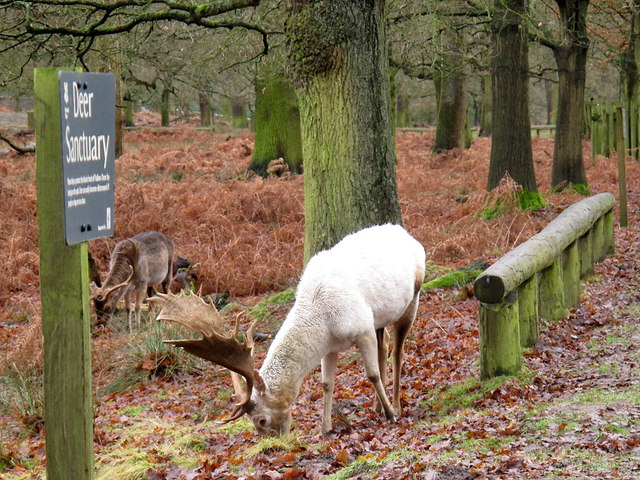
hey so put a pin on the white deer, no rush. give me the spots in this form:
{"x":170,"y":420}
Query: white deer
{"x":347,"y":296}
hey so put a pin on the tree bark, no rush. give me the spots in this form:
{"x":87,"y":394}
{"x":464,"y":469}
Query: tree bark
{"x":486,"y":116}
{"x":631,"y":59}
{"x":206,"y":112}
{"x":165,"y":107}
{"x":339,"y":60}
{"x":238,"y":114}
{"x":450,"y":92}
{"x":511,"y":150}
{"x":450,"y":129}
{"x":571,"y":57}
{"x":277,"y":125}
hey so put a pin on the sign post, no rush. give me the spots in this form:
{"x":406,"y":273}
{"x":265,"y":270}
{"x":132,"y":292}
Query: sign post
{"x":67,"y":217}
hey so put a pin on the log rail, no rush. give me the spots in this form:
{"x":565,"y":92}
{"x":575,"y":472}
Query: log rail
{"x":539,"y":279}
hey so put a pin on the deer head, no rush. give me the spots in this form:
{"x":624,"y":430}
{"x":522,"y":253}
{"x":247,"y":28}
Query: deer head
{"x":105,"y":300}
{"x":216,"y":345}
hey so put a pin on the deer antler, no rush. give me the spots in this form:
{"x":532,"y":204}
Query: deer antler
{"x":194,"y":313}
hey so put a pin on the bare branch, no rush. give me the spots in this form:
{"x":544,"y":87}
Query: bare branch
{"x":17,"y":148}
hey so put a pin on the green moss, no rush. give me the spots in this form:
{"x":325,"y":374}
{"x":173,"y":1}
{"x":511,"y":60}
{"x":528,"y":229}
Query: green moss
{"x":315,"y":31}
{"x":453,"y":279}
{"x":581,"y":189}
{"x":266,"y":308}
{"x":493,"y":211}
{"x":531,"y":201}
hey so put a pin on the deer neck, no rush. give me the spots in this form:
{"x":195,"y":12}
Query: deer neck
{"x":296,"y":350}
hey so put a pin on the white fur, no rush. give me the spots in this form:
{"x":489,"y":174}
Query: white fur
{"x":366,"y":282}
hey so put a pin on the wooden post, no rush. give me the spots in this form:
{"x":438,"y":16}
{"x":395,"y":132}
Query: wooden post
{"x":586,"y":255}
{"x":64,"y":291}
{"x":499,"y":331}
{"x":528,"y":311}
{"x":551,"y":300}
{"x":607,"y":225}
{"x":622,"y":169}
{"x":597,"y":241}
{"x":632,"y":128}
{"x":571,"y":276}
{"x":595,"y":131}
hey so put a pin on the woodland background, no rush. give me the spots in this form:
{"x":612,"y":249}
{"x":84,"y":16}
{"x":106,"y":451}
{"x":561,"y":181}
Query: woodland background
{"x":573,"y":413}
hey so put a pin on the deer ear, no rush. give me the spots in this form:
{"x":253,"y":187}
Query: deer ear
{"x":258,"y":382}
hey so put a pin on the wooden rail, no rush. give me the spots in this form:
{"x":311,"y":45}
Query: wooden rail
{"x":539,"y":279}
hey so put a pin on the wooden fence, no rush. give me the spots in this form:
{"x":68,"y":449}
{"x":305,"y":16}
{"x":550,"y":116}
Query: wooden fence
{"x":605,"y":120}
{"x":539,"y":279}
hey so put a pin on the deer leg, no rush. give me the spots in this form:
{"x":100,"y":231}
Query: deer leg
{"x":141,"y":295}
{"x":367,"y":344}
{"x":127,"y":306}
{"x":383,"y":352}
{"x":401,"y":329}
{"x":329,"y":363}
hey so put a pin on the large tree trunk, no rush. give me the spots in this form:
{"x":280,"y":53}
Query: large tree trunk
{"x":511,"y":150}
{"x":571,"y":58}
{"x":450,"y":92}
{"x":339,"y":59}
{"x":276,"y":124}
{"x":452,"y":111}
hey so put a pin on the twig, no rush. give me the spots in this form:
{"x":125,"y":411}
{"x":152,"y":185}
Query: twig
{"x":20,"y":150}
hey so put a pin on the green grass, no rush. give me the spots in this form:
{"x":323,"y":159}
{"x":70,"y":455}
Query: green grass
{"x":21,"y":394}
{"x":145,"y":355}
{"x":172,"y":444}
{"x":366,"y":466}
{"x":466,"y":394}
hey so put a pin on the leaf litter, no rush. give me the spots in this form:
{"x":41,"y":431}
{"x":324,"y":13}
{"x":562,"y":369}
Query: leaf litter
{"x":573,"y":413}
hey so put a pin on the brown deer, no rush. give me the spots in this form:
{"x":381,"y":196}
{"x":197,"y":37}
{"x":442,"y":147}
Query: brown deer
{"x":137,"y":264}
{"x":347,"y":295}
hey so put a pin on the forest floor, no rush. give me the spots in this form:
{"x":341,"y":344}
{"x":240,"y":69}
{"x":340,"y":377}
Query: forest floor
{"x":574,"y":412}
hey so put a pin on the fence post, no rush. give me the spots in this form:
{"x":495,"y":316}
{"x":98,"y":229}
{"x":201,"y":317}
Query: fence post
{"x":528,"y":311}
{"x":551,"y":300}
{"x":607,"y":225}
{"x":499,"y":331}
{"x":64,"y":291}
{"x":586,"y":255}
{"x":571,"y":276}
{"x":622,"y":168}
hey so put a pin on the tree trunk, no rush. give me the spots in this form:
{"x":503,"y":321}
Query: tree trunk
{"x":128,"y":110}
{"x":277,"y":125}
{"x":238,"y":114}
{"x":511,"y":150}
{"x":571,"y":58}
{"x":206,"y":112}
{"x":450,"y":92}
{"x":338,"y":54}
{"x":403,"y":115}
{"x":551,"y":99}
{"x":486,"y":115}
{"x":165,"y":107}
{"x":450,"y":129}
{"x":631,"y":59}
